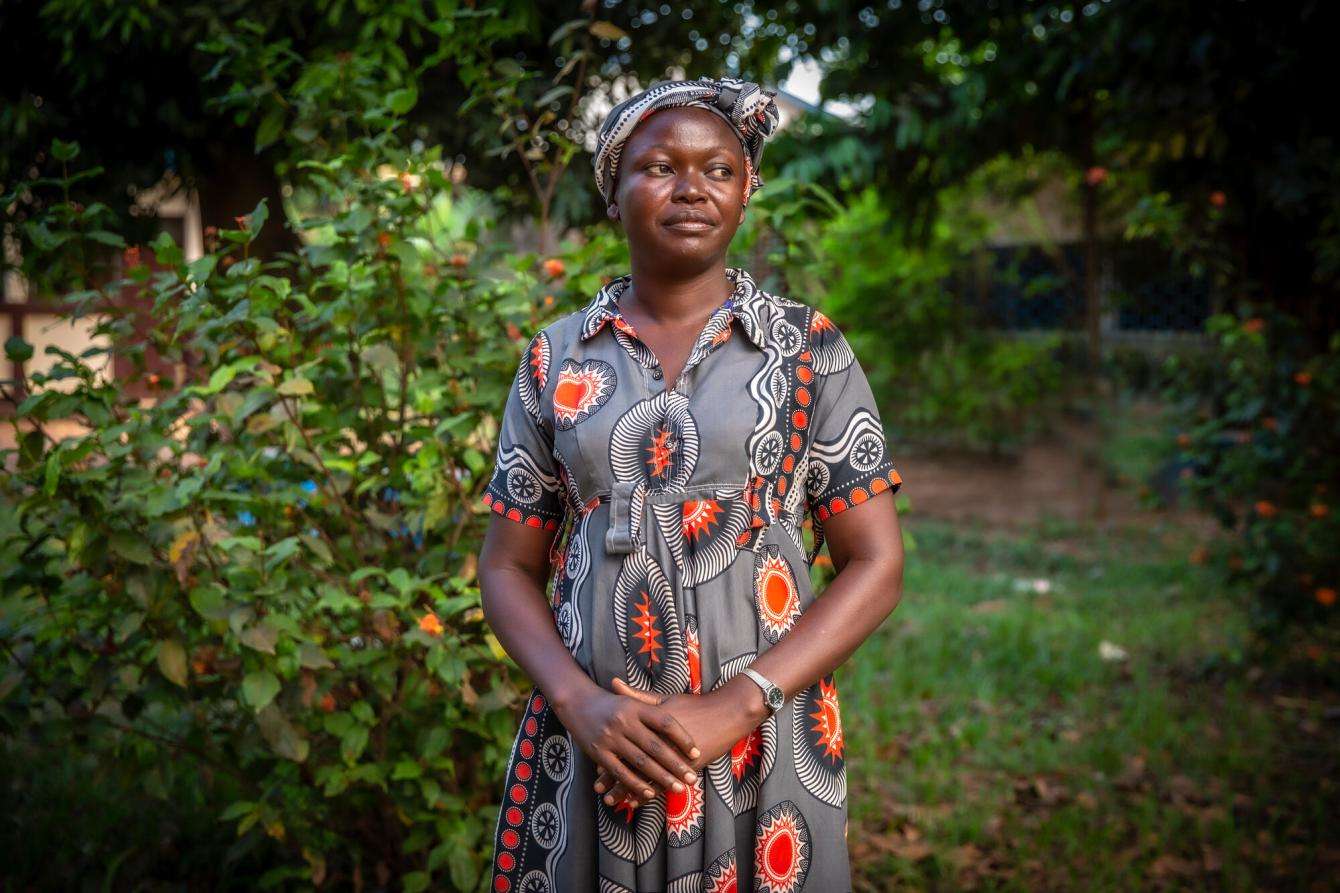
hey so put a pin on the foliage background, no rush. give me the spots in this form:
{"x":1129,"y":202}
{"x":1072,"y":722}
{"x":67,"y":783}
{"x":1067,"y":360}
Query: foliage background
{"x":248,"y":598}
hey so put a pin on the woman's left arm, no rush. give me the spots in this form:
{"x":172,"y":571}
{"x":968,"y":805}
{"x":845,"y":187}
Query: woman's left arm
{"x":866,"y":545}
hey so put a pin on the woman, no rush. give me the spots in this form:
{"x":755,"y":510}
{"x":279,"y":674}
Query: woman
{"x":685,"y":731}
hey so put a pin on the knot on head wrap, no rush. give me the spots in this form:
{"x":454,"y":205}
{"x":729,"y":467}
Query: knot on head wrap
{"x":746,"y":107}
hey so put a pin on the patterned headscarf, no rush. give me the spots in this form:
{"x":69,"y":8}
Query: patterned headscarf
{"x":745,"y":106}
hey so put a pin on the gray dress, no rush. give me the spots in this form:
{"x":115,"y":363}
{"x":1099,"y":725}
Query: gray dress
{"x":679,"y":559}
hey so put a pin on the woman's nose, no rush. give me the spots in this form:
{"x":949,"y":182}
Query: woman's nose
{"x":689,"y":187}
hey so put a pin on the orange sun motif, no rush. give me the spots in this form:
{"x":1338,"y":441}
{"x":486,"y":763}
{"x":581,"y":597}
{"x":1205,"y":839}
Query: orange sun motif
{"x":776,"y":596}
{"x":683,"y":808}
{"x":647,"y":631}
{"x":820,"y":323}
{"x":745,"y":753}
{"x":661,"y":450}
{"x":700,"y":516}
{"x":829,"y":721}
{"x":578,"y":391}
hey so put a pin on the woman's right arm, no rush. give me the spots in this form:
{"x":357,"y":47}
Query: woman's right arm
{"x":630,"y":739}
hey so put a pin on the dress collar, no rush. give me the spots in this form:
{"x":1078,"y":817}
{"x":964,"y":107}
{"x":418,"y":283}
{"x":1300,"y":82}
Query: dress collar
{"x":747,"y":303}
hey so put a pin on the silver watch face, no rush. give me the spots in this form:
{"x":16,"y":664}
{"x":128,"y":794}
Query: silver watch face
{"x":775,"y":698}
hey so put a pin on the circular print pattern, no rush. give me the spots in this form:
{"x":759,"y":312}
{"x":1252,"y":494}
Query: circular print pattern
{"x":776,"y":596}
{"x":781,"y":850}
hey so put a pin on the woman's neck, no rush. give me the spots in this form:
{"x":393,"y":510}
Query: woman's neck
{"x":673,"y":301}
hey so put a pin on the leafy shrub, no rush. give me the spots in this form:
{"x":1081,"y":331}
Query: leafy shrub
{"x":1263,"y":437}
{"x":268,"y":569}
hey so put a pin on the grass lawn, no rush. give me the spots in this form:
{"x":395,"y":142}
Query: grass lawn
{"x":1073,"y":710}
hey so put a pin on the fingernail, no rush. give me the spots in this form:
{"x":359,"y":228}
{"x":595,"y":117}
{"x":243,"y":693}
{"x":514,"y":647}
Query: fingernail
{"x":678,"y":787}
{"x":690,"y":777}
{"x":600,"y":788}
{"x":648,"y":793}
{"x":694,"y":753}
{"x":609,"y":799}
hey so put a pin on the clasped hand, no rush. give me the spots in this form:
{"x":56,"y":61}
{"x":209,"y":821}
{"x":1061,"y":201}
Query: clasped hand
{"x":646,"y":743}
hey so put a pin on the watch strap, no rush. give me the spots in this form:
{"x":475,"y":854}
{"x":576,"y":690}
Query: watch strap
{"x":770,"y":690}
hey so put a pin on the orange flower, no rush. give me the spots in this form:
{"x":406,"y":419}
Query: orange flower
{"x":1254,"y":325}
{"x":1319,"y":510}
{"x":553,"y":268}
{"x":131,"y":256}
{"x":430,"y":624}
{"x":1199,"y":555}
{"x":328,"y":702}
{"x":1095,"y":175}
{"x":1325,"y":596}
{"x":384,"y":240}
{"x":1270,"y":424}
{"x":1218,"y":199}
{"x":1303,"y":378}
{"x":1266,"y":509}
{"x":459,"y":260}
{"x":548,"y":300}
{"x":1184,"y":440}
{"x":513,"y":332}
{"x":243,"y":221}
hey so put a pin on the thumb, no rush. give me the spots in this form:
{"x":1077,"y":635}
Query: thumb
{"x":623,"y":688}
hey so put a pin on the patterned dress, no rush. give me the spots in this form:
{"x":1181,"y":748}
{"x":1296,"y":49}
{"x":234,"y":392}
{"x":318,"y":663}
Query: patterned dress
{"x":679,"y":559}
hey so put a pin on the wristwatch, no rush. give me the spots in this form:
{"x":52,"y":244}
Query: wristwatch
{"x":771,"y":693}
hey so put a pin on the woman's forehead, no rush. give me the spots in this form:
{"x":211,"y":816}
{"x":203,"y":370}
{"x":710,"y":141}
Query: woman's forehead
{"x":684,"y":129}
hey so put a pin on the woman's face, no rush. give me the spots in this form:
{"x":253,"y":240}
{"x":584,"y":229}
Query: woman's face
{"x":680,"y":192}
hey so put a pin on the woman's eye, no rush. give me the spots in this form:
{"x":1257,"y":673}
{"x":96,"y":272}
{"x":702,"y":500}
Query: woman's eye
{"x":659,"y":167}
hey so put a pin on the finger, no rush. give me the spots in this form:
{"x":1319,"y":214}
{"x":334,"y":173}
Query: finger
{"x":623,"y":688}
{"x":639,"y":758}
{"x":668,"y":727}
{"x":663,"y":766}
{"x":669,"y":758}
{"x":625,"y":774}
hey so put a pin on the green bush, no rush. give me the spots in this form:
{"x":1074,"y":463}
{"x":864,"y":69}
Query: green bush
{"x":1262,"y":437}
{"x":267,"y":570}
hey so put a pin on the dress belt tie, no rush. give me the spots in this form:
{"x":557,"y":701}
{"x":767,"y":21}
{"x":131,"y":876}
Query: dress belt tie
{"x":624,"y":535}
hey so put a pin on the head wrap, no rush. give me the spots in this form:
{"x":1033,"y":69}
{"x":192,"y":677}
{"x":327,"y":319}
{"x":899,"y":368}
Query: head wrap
{"x":746,"y":107}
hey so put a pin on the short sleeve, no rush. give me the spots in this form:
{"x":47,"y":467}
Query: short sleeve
{"x":849,"y":460}
{"x":526,"y":486}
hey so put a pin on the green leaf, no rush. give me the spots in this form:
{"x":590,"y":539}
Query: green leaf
{"x":256,"y":219}
{"x":296,"y":387}
{"x":63,"y":151}
{"x":172,"y":660}
{"x":281,"y":735}
{"x":260,"y":688}
{"x":313,"y":657}
{"x":353,"y":742}
{"x":17,"y":350}
{"x":209,"y":602}
{"x":270,"y":128}
{"x":262,"y":636}
{"x":417,"y":881}
{"x":402,"y":100}
{"x":131,"y":547}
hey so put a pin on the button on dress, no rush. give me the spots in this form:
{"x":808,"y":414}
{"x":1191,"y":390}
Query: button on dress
{"x":678,"y":559}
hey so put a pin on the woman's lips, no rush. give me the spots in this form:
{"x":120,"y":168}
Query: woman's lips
{"x":690,"y":226}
